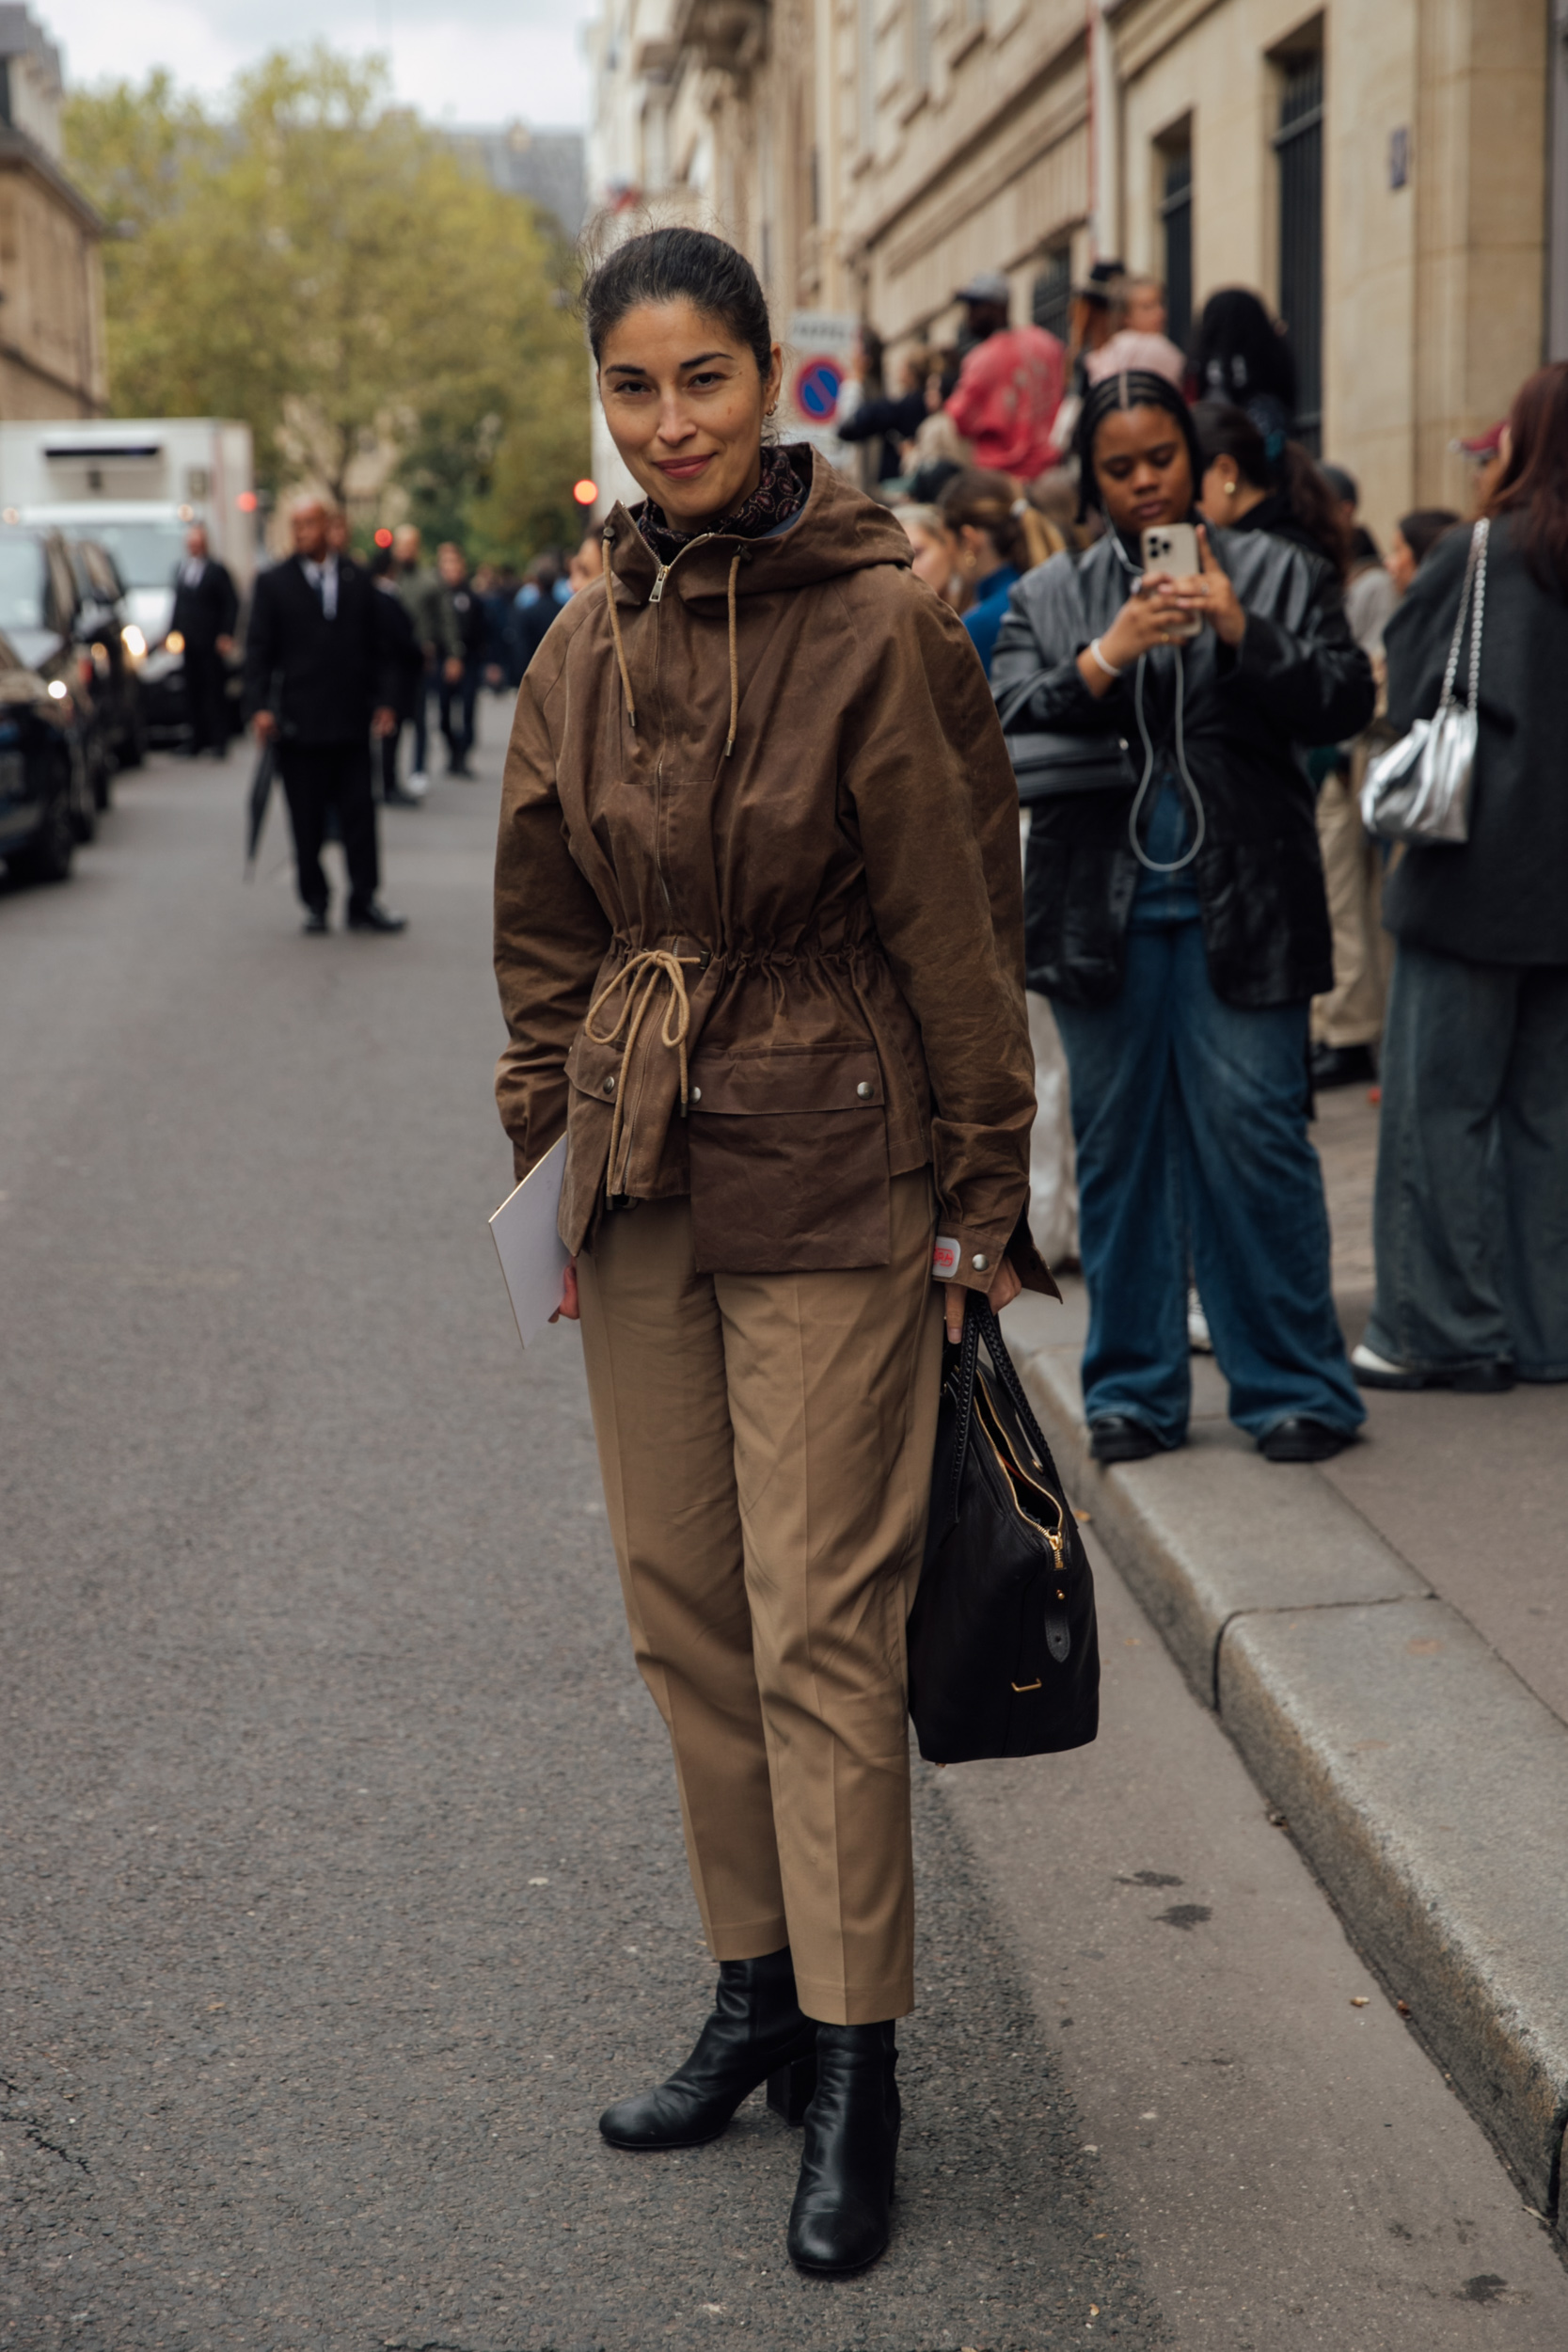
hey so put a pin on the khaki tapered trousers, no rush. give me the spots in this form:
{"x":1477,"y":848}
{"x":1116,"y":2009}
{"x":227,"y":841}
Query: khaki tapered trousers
{"x":766,"y":1441}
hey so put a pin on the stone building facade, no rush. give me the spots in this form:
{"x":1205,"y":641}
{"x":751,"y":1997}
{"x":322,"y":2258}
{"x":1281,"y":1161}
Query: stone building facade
{"x":1391,"y":174}
{"x":52,"y":347}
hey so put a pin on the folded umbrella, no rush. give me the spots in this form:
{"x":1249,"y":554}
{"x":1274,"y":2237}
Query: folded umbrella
{"x":260,"y":793}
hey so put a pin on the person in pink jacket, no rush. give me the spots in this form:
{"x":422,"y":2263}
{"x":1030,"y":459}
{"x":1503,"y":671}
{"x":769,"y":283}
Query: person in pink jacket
{"x":1009,"y":386}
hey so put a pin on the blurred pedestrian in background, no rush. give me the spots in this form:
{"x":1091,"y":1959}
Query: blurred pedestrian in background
{"x":1009,"y":385}
{"x":936,"y":551}
{"x":493,"y":595}
{"x":1471,"y":1207}
{"x":425,"y":602}
{"x":206,"y":608}
{"x":320,"y":677}
{"x":893,"y":419}
{"x":1138,"y":339}
{"x":460,"y":683}
{"x":1415,"y":537}
{"x":587,"y":565}
{"x":1347,"y":1022}
{"x":1239,"y":354}
{"x":997,"y":537}
{"x":408,"y":664}
{"x":536,"y":606}
{"x":1176,"y":919}
{"x":1254,"y":482}
{"x":829,"y":906}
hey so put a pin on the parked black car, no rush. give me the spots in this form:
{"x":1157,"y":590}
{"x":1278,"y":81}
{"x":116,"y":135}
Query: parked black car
{"x":63,"y":623}
{"x":41,"y":773}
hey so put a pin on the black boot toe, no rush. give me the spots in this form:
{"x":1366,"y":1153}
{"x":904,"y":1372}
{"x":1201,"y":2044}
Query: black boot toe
{"x":757,"y":2030}
{"x":843,"y":2211}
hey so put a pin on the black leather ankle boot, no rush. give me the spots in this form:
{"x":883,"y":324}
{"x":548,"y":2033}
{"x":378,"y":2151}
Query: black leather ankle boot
{"x":757,"y":2030}
{"x":841,"y":2214}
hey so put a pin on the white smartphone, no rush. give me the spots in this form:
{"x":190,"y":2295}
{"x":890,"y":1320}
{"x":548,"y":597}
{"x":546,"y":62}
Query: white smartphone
{"x":1172,"y":548}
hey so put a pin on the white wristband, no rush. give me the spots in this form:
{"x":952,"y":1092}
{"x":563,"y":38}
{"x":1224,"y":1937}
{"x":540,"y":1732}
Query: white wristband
{"x":1099,"y":658}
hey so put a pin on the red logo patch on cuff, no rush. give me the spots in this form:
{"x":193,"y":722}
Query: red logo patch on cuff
{"x":944,"y":1258}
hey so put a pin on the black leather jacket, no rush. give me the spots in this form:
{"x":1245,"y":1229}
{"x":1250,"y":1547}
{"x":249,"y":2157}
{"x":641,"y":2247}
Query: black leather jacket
{"x":1297,"y":678}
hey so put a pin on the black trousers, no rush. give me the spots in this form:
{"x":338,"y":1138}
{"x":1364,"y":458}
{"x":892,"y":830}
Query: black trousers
{"x":204,"y":698}
{"x":318,"y":776}
{"x":458,"y":698}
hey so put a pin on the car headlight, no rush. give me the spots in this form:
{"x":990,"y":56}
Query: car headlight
{"x":133,"y":641}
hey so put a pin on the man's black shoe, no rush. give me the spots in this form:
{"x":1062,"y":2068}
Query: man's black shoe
{"x":1300,"y":1439}
{"x":1117,"y":1437}
{"x":375,"y":918}
{"x":314,"y":923}
{"x":1343,"y":1066}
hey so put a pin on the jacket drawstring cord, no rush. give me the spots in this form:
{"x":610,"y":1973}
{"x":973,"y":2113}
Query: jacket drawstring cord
{"x":651,"y":966}
{"x":735,"y":657}
{"x":615,"y":631}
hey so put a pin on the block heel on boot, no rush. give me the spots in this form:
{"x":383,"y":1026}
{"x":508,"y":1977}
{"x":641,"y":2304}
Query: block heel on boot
{"x":756,"y":2032}
{"x":790,"y":2089}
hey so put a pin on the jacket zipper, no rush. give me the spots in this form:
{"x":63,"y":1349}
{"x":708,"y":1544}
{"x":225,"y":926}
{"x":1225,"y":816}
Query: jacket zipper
{"x":656,"y":596}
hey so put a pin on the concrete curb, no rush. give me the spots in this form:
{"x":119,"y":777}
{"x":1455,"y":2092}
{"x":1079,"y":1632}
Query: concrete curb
{"x":1425,"y":1784}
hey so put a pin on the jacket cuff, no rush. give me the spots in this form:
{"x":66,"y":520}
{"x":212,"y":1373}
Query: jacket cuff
{"x":972,"y":1254}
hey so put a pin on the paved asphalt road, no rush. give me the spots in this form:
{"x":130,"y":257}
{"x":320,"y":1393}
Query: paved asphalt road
{"x":342,"y":1875}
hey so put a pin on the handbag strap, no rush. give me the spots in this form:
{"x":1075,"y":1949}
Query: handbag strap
{"x":1479,"y":545}
{"x":985,"y":1325}
{"x":964,"y":1373}
{"x":1472,"y":565}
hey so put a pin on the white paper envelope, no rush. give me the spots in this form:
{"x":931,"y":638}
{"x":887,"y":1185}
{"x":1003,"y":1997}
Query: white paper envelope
{"x":532,"y":1254}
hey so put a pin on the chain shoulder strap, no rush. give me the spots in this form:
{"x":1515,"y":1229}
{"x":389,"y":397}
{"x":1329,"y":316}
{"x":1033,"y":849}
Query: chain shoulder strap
{"x":1479,"y":545}
{"x":1478,"y":549}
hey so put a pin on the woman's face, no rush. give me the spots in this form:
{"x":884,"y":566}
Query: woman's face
{"x":1401,"y":561}
{"x":933,"y":557}
{"x":1143,"y":469}
{"x":1145,"y":309}
{"x":685,"y":406}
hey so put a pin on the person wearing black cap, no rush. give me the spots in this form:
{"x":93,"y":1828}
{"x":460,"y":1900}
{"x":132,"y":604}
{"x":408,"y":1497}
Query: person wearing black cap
{"x":1176,"y":917}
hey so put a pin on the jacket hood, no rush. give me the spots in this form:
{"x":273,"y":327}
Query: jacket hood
{"x":839,"y":530}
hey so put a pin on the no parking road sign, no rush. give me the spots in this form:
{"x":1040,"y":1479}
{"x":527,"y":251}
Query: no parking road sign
{"x":818,"y":382}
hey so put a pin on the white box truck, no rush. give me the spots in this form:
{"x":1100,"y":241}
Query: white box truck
{"x":135,"y":485}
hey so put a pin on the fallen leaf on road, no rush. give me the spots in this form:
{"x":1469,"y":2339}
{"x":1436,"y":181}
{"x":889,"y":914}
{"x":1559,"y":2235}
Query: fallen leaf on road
{"x":1082,"y":1518}
{"x":1358,"y":2000}
{"x":1403,"y":2007}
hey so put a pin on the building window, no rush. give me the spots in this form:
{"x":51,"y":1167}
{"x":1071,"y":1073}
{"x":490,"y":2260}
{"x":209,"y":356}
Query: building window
{"x":1051,"y":301}
{"x":1299,"y":146}
{"x":1175,"y":155}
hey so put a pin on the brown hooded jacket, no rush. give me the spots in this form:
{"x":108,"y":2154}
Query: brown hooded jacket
{"x":811,"y":944}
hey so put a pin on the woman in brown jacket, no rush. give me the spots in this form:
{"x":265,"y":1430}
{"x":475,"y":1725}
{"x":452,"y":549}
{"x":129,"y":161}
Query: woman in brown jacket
{"x":759,"y":941}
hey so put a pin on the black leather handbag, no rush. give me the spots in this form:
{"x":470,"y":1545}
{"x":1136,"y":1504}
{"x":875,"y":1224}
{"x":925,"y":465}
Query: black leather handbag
{"x":1046,"y":765}
{"x":1002,"y":1646}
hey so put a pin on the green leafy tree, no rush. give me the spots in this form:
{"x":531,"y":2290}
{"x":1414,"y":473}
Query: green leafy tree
{"x":318,"y":263}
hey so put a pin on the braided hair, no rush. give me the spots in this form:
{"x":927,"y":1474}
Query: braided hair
{"x":1130,"y":388}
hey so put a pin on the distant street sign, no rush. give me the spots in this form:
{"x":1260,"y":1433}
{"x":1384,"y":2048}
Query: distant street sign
{"x":817,"y":386}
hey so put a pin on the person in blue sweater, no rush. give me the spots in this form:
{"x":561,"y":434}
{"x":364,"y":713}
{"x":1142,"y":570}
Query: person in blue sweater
{"x":999,"y":538}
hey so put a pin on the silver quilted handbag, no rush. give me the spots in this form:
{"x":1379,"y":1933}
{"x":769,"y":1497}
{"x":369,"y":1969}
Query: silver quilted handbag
{"x":1419,"y":788}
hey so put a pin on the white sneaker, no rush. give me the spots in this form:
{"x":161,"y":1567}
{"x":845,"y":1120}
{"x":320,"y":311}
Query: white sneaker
{"x":1197,"y":1324}
{"x":418,"y":784}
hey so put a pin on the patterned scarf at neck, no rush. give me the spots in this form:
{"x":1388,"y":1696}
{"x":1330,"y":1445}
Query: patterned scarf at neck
{"x":777,"y":499}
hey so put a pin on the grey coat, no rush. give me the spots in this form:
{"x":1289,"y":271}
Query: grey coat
{"x":1503,"y":897}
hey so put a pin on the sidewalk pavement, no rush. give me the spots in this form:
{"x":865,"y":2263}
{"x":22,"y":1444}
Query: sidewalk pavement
{"x":1385,"y":1639}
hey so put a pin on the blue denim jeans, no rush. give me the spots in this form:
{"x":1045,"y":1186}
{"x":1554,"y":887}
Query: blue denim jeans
{"x":1471,"y":1211}
{"x":1191,"y":1122}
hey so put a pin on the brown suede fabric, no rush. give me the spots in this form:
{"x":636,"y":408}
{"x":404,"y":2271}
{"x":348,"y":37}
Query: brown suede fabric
{"x":843,"y":893}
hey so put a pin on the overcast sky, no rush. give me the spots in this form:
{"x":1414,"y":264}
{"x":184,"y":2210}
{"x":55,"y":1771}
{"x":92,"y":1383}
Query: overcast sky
{"x":457,"y":60}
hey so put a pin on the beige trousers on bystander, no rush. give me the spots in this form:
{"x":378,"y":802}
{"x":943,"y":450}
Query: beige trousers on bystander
{"x":765,"y":1442}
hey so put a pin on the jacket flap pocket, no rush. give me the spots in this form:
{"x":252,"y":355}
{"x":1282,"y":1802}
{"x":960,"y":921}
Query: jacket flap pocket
{"x":806,"y":1078}
{"x":594,"y":1069}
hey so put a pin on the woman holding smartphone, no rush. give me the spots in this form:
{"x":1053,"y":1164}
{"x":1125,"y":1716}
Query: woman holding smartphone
{"x":1176,"y":917}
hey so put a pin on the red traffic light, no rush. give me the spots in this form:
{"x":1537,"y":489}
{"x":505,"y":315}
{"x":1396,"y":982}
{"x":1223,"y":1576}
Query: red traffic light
{"x":585,"y":492}
{"x":247,"y":501}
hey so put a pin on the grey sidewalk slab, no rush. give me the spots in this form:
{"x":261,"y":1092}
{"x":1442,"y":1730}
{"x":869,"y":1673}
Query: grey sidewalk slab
{"x":1425,"y":1782}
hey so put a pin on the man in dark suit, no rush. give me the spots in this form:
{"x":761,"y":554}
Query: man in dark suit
{"x":318,"y":680}
{"x":205,"y":611}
